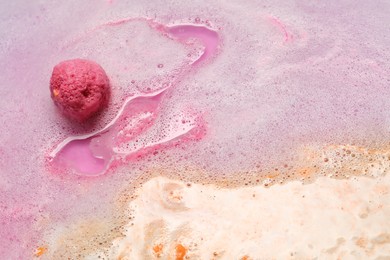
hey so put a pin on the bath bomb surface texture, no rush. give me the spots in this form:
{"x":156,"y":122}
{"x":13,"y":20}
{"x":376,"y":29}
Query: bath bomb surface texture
{"x":80,"y":88}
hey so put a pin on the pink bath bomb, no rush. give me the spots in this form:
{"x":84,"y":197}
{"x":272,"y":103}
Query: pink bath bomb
{"x":80,"y":88}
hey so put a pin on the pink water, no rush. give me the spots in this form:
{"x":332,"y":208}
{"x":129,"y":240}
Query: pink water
{"x":92,"y":154}
{"x":201,"y":91}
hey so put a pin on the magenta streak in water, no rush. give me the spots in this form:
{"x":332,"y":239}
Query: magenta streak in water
{"x":208,"y":38}
{"x":282,"y":27}
{"x":183,"y":33}
{"x":92,"y":154}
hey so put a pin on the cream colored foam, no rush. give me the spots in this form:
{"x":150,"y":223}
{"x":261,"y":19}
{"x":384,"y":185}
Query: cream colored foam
{"x":329,"y":219}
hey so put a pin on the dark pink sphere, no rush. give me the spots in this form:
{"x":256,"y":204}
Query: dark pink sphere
{"x":80,"y":88}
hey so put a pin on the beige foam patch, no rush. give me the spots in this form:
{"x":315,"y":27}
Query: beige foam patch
{"x":341,"y":213}
{"x":329,"y":218}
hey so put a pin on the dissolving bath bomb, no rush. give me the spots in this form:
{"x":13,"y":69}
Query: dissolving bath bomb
{"x":80,"y":88}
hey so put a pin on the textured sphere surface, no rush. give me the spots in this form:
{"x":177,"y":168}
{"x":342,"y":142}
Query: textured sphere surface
{"x":79,"y":88}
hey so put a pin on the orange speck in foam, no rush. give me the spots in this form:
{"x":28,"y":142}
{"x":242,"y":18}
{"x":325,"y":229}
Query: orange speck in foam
{"x":361,"y":242}
{"x":306,"y":171}
{"x":40,"y":251}
{"x":157,"y":249}
{"x":272,"y":175}
{"x":180,"y":252}
{"x":245,"y":257}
